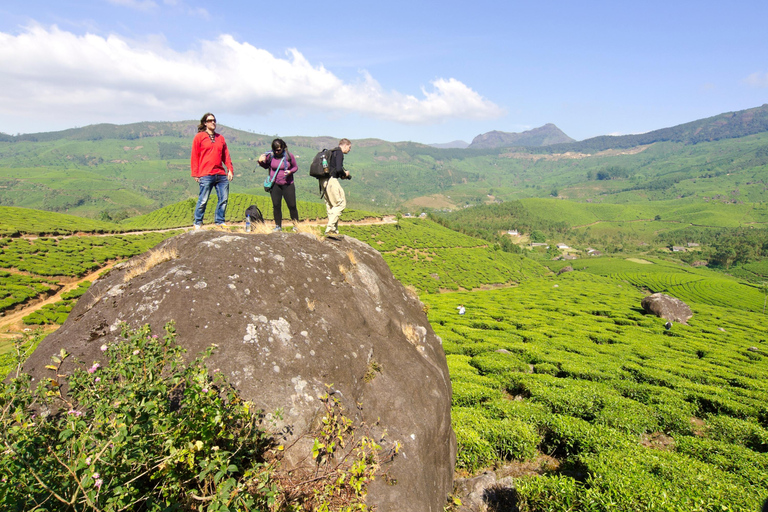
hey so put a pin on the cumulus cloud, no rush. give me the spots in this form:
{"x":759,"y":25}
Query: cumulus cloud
{"x":50,"y":72}
{"x":757,"y":80}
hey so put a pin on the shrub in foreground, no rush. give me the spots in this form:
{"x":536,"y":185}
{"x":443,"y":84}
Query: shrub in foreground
{"x":143,"y":430}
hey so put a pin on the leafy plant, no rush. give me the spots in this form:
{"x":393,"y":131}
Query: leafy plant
{"x":139,"y":430}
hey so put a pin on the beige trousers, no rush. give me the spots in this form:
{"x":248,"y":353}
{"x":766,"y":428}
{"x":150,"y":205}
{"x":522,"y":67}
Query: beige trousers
{"x":335,"y":202}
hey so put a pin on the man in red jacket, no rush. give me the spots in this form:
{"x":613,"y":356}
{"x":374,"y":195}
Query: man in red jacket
{"x":209,"y":156}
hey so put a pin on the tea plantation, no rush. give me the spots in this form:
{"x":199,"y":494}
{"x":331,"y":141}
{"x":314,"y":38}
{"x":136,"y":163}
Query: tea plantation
{"x":73,"y":256}
{"x":637,"y":417}
{"x":568,"y":375}
{"x":563,"y":375}
{"x":689,"y":284}
{"x":429,"y":257}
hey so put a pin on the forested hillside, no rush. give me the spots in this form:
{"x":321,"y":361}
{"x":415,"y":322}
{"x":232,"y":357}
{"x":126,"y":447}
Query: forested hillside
{"x":113,"y":172}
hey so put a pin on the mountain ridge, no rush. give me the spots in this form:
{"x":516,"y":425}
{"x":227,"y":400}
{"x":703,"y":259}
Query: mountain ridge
{"x":728,"y":125}
{"x":542,"y":136}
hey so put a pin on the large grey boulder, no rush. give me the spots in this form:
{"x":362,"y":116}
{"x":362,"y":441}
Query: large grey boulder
{"x":290,"y":315}
{"x":667,"y":307}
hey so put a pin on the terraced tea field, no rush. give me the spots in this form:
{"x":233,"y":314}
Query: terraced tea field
{"x":635,"y":416}
{"x":72,"y":256}
{"x":423,"y":254}
{"x":699,"y":285}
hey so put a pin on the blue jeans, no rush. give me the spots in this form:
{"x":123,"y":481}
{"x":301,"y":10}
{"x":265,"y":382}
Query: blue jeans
{"x":221,"y":183}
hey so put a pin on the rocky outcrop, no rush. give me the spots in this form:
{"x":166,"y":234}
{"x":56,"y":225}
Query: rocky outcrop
{"x":291,"y":314}
{"x":667,"y":307}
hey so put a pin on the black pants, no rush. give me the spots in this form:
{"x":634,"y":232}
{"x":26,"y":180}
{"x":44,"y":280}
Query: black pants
{"x":289,"y":193}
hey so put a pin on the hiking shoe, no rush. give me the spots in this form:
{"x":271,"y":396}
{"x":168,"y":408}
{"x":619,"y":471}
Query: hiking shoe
{"x":197,"y":226}
{"x":222,"y":225}
{"x":277,"y":228}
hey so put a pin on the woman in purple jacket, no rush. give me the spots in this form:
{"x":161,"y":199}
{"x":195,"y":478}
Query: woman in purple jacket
{"x":280,"y":161}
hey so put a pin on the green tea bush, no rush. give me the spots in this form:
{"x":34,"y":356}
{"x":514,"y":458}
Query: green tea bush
{"x":603,"y":386}
{"x":473,"y":452}
{"x":567,"y":436}
{"x":739,"y":432}
{"x":499,"y":363}
{"x":751,"y":466}
{"x":142,"y":431}
{"x":648,"y":479}
{"x":556,"y":493}
{"x":509,"y":438}
{"x":529,"y":412}
{"x":468,"y":393}
{"x":546,"y":369}
{"x":627,"y":416}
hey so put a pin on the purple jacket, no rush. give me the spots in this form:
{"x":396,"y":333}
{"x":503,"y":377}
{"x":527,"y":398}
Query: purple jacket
{"x":289,"y":164}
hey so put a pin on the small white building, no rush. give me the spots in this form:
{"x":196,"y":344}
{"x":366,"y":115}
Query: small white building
{"x":562,"y":246}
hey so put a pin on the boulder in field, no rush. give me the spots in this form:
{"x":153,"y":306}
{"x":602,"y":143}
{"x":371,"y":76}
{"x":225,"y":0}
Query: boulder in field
{"x":666,"y":307}
{"x":291,"y":314}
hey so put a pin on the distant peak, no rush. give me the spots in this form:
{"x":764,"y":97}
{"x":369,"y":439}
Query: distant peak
{"x":542,"y":136}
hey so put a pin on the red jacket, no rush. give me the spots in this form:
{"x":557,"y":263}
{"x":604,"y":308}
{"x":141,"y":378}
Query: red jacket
{"x":208,"y":157}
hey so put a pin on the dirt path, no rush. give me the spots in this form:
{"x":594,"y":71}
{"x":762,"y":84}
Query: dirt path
{"x":11,"y":325}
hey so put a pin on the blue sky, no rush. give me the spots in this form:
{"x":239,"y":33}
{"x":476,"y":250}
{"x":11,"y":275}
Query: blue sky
{"x":422,"y":71}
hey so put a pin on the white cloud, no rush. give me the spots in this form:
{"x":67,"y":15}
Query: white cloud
{"x":757,"y":80}
{"x":48,"y":73}
{"x":141,"y":5}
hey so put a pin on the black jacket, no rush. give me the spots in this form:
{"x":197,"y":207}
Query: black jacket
{"x":336,"y":165}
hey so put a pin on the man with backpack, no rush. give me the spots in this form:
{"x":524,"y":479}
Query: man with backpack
{"x":335,"y":200}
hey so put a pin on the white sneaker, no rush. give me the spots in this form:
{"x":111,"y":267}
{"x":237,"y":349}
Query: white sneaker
{"x":198,"y":226}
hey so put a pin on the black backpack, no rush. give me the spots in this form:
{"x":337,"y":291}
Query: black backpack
{"x":254,"y":213}
{"x":316,"y":168}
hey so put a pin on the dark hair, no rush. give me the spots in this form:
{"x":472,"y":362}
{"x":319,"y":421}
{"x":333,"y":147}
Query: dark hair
{"x":201,"y":126}
{"x":279,"y":144}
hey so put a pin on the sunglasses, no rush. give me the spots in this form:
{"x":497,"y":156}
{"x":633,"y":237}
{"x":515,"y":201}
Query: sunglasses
{"x":210,"y":120}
